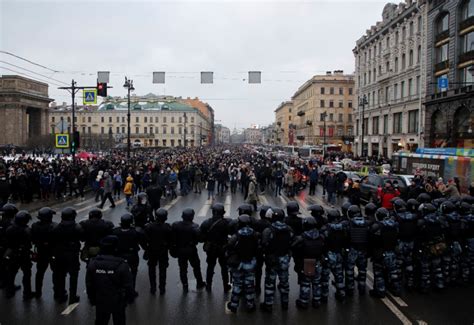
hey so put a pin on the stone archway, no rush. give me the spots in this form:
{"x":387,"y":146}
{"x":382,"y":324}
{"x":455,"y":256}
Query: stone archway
{"x":463,"y":127}
{"x":24,"y":105}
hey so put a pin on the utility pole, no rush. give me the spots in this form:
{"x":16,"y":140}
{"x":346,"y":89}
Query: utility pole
{"x":129,"y":86}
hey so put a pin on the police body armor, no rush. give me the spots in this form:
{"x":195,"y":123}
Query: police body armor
{"x":280,"y":242}
{"x":336,"y":238}
{"x":388,"y":234}
{"x":312,"y":245}
{"x":247,"y":244}
{"x":359,"y":233}
{"x":407,"y":224}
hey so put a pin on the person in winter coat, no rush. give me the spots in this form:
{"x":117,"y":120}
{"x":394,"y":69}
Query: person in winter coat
{"x":128,"y":190}
{"x":252,"y":196}
{"x":330,"y":185}
{"x":108,"y":188}
{"x":451,"y":190}
{"x":386,"y":195}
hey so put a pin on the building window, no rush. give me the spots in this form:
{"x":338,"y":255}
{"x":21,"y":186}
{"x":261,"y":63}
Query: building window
{"x":466,"y":76}
{"x":102,"y":130}
{"x":402,"y":89}
{"x":156,"y":119}
{"x":387,"y":67}
{"x":331,"y":103}
{"x":145,"y":130}
{"x":420,"y":24}
{"x":350,"y":91}
{"x":411,"y":90}
{"x":396,"y":37}
{"x":418,"y":83}
{"x":418,"y":54}
{"x":89,"y":130}
{"x":413,"y":121}
{"x":164,"y":119}
{"x":321,"y":103}
{"x":395,"y":91}
{"x":385,"y":124}
{"x":192,"y":119}
{"x":357,"y":128}
{"x":102,"y":119}
{"x":123,"y":129}
{"x":341,"y":104}
{"x":123,"y":119}
{"x":89,"y":119}
{"x":349,"y":104}
{"x":411,"y":28}
{"x":180,"y":130}
{"x":404,"y":34}
{"x":331,"y":117}
{"x":321,"y":117}
{"x":396,"y":64}
{"x":404,"y":61}
{"x":375,"y":125}
{"x":110,"y":119}
{"x":137,"y":130}
{"x":368,"y":100}
{"x":340,"y":117}
{"x":397,"y":123}
{"x":180,"y":120}
{"x":172,"y":130}
{"x":349,"y":131}
{"x":322,"y":90}
{"x":137,"y":119}
{"x":331,"y":91}
{"x":442,"y":53}
{"x":157,"y":130}
{"x":387,"y":93}
{"x":349,"y":118}
{"x":164,"y":129}
{"x":172,"y":119}
{"x":289,"y":118}
{"x":146,"y":120}
{"x":340,"y":132}
{"x":467,"y":42}
{"x":443,"y":24}
{"x":370,"y":77}
{"x":341,"y":91}
{"x":410,"y":58}
{"x":387,"y":42}
{"x":467,"y":9}
{"x":374,"y":74}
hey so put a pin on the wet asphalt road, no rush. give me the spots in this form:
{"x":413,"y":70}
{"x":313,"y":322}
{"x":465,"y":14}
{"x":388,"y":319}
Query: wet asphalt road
{"x":454,"y":306}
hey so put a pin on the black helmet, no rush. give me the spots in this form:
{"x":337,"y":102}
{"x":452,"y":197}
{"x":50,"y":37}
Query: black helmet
{"x":333,"y":215}
{"x":188,"y":214}
{"x":292,"y":208}
{"x":468,"y":199}
{"x":353,"y":211}
{"x":399,"y":206}
{"x":46,"y":214}
{"x":345,"y":206}
{"x":381,"y":214}
{"x":109,"y":244}
{"x":95,"y":213}
{"x":245,"y":209}
{"x":68,"y":214}
{"x":427,"y":208}
{"x":161,"y":215}
{"x":309,"y":223}
{"x":142,"y":198}
{"x":316,"y":210}
{"x":447,"y":207}
{"x":370,"y":209}
{"x":412,"y":205}
{"x":464,"y":208}
{"x":437,"y":202}
{"x":244,"y":220}
{"x":218,"y":209}
{"x":278,"y":214}
{"x":424,"y":198}
{"x":263,"y":211}
{"x":126,"y":220}
{"x":9,"y":210}
{"x":22,"y":218}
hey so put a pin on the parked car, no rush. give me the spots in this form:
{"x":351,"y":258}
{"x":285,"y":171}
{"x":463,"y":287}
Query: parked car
{"x":369,"y":185}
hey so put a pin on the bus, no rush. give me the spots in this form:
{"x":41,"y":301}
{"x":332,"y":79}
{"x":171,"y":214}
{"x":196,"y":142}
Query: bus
{"x":307,"y":152}
{"x":291,"y":150}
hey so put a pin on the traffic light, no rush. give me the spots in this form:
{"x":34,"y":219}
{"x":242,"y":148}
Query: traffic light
{"x":102,"y":89}
{"x":75,"y":141}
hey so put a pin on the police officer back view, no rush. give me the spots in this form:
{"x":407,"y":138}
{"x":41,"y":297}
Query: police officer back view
{"x":18,"y":254}
{"x":129,"y":241}
{"x":66,"y":237}
{"x":41,"y":236}
{"x":142,"y":211}
{"x":214,"y":232}
{"x":276,"y":243}
{"x":109,"y":283}
{"x":292,"y":220}
{"x":8,"y":213}
{"x":158,"y":241}
{"x":185,"y":236}
{"x":259,"y":225}
{"x":94,"y":229}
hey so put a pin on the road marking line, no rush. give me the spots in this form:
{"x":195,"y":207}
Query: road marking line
{"x":116,"y":203}
{"x":70,"y":308}
{"x":421,"y":322}
{"x":205,"y":208}
{"x":398,"y":300}
{"x":263,"y":199}
{"x":172,"y":203}
{"x":84,"y":202}
{"x":283,"y":199}
{"x":394,"y":309}
{"x":227,"y":205}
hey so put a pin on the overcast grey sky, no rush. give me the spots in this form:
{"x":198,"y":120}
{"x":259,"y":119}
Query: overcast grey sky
{"x":289,"y":41}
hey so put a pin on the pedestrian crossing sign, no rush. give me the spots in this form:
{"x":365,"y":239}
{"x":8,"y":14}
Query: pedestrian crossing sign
{"x":62,"y":140}
{"x":89,"y":96}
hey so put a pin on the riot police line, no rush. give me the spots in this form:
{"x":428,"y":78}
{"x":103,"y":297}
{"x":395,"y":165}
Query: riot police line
{"x":421,"y":244}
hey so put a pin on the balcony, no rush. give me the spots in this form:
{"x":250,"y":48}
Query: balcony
{"x":441,"y":36}
{"x":300,"y":137}
{"x":466,"y":23}
{"x":300,"y":113}
{"x":467,"y":56}
{"x":442,"y":65}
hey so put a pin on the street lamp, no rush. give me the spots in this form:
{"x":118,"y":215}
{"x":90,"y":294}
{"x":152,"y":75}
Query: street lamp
{"x":129,"y":86}
{"x":184,"y":131}
{"x":363,"y":102}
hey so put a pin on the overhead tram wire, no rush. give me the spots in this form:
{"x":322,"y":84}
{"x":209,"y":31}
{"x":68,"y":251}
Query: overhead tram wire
{"x":30,"y":76}
{"x":29,"y":61}
{"x":31,"y":71}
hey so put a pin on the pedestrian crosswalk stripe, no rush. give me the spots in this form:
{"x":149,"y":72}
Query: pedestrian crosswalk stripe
{"x":70,"y":308}
{"x":205,"y":209}
{"x":227,"y":205}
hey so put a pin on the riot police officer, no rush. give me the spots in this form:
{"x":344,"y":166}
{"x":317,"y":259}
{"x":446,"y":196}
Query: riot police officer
{"x":309,"y":247}
{"x":246,"y":209}
{"x":18,"y":254}
{"x":292,"y":220}
{"x":317,"y":212}
{"x":344,"y":208}
{"x":467,"y":214}
{"x":8,"y":213}
{"x":408,"y":231}
{"x":432,"y":246}
{"x":259,"y":225}
{"x":41,"y":236}
{"x":94,"y":229}
{"x":369,"y":212}
{"x":142,"y":211}
{"x":335,"y":232}
{"x":158,"y":241}
{"x":214,"y":232}
{"x":454,"y":238}
{"x":384,"y":233}
{"x":276,"y":244}
{"x":241,"y":257}
{"x":67,"y":244}
{"x":186,"y":235}
{"x":357,"y":250}
{"x":109,"y":283}
{"x":129,"y":241}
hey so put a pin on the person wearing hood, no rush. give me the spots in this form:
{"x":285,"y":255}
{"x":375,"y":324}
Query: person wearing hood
{"x":99,"y":186}
{"x":252,"y":197}
{"x":128,"y":190}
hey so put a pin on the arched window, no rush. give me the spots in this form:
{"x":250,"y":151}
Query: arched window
{"x":404,"y":61}
{"x":442,"y":23}
{"x":418,"y":54}
{"x":438,"y":122}
{"x":410,"y":58}
{"x":467,"y":9}
{"x":396,"y":64}
{"x":462,"y":120}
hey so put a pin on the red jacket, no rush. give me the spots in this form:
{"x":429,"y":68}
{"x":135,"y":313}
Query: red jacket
{"x":386,"y":198}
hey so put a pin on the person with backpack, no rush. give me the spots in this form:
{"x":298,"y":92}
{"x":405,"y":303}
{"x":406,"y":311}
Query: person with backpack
{"x":128,"y":191}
